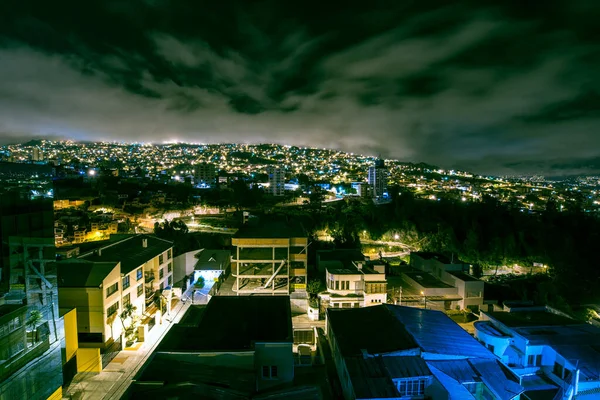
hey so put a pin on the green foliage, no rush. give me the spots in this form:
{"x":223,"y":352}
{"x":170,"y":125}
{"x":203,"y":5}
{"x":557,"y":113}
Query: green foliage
{"x":200,"y":283}
{"x":314,"y":287}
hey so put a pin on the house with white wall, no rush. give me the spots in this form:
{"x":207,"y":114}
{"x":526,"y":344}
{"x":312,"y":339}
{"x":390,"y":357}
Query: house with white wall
{"x":550,"y":351}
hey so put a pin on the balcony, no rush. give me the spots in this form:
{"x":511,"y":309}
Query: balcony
{"x":148,"y":277}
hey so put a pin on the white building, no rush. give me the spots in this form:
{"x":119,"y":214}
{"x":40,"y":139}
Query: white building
{"x":377,"y":178}
{"x":552,"y":354}
{"x":276,"y":181}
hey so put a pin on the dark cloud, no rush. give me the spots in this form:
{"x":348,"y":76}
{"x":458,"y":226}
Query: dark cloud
{"x":505,"y":86}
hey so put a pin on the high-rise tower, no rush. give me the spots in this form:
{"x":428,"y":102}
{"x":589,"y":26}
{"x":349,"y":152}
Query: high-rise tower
{"x":377,"y":179}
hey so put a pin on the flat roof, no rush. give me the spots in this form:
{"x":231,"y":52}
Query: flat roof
{"x":233,"y":323}
{"x":77,"y":273}
{"x":463,"y":276}
{"x":130,"y":251}
{"x":374,"y":329}
{"x":270,"y":229}
{"x":426,"y":280}
{"x":531,"y":318}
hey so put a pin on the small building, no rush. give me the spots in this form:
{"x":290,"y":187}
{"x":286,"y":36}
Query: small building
{"x":352,"y":281}
{"x":269,"y":257}
{"x":397,"y":352}
{"x":234,"y":347}
{"x":555,"y":356}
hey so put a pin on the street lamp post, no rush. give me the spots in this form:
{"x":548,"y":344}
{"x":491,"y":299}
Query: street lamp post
{"x":424,"y":300}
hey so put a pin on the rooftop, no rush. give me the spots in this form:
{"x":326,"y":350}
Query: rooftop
{"x":79,"y":273}
{"x":531,"y":318}
{"x":232,"y":323}
{"x":373,"y":329}
{"x":130,"y":251}
{"x":463,"y":276}
{"x":270,"y":229}
{"x":426,"y":280}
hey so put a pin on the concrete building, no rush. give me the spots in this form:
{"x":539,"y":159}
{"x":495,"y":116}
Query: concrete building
{"x":555,"y":356}
{"x":377,"y":179}
{"x":444,"y":282}
{"x":276,"y":181}
{"x":246,"y":354}
{"x":205,"y":173}
{"x":269,"y":257}
{"x":206,"y":263}
{"x":352,"y":281}
{"x":396,"y":352}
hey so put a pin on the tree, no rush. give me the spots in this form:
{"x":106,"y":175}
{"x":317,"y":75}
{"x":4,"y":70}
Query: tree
{"x":128,"y":314}
{"x":34,"y":320}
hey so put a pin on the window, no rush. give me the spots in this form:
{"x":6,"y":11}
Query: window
{"x":534,"y":360}
{"x":558,"y":370}
{"x":346,"y":305}
{"x":112,"y":309}
{"x":490,"y":347}
{"x":140,"y":290}
{"x":112,"y":289}
{"x":161,"y":273}
{"x":538,"y":360}
{"x":337,"y":285}
{"x":170,"y":267}
{"x":139,"y":274}
{"x":161,"y":259}
{"x":169,"y":254}
{"x":126,"y":299}
{"x":170,"y":280}
{"x":125,"y":282}
{"x":269,"y":371}
{"x":412,"y":387}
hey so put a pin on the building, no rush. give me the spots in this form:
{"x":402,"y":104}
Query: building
{"x":139,"y":254}
{"x":396,"y":352}
{"x":555,"y":356}
{"x":443,"y":282}
{"x":246,"y":354}
{"x":37,"y":154}
{"x":208,"y":264}
{"x":276,"y":181}
{"x":205,"y":173}
{"x":269,"y":257}
{"x":94,"y":290}
{"x":32,"y":368}
{"x":377,"y":179}
{"x":352,"y":281}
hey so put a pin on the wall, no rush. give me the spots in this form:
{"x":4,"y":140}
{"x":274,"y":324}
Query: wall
{"x":183,"y":265}
{"x":71,"y":342}
{"x":277,"y":354}
{"x":89,"y":360}
{"x":89,"y":306}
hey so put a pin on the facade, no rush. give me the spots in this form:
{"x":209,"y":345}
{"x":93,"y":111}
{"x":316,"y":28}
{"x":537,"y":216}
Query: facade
{"x":396,"y":352}
{"x":269,"y":258}
{"x":206,"y":263}
{"x":140,"y":256}
{"x":351,"y":280}
{"x":247,"y":352}
{"x":276,"y":181}
{"x":377,"y":179}
{"x":444,"y":282}
{"x":552,"y":354}
{"x":205,"y":173}
{"x":32,"y":369}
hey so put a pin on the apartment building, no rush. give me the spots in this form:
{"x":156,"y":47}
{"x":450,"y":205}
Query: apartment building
{"x":554,"y":355}
{"x":269,"y":257}
{"x":352,"y":280}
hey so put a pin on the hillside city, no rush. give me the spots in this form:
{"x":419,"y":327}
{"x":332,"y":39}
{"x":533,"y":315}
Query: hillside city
{"x":265,"y":271}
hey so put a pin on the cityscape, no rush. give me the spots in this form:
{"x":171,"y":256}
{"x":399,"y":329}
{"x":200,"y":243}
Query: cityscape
{"x":316,"y":201}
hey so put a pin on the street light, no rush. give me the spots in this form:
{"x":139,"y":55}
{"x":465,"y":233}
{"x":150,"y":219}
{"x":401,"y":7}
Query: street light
{"x":424,"y":299}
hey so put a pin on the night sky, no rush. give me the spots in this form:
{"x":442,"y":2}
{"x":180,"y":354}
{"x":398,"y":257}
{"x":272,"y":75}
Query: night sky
{"x":492,"y":87}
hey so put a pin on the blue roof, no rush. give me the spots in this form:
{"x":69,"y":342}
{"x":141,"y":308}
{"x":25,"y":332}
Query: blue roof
{"x":436,"y":333}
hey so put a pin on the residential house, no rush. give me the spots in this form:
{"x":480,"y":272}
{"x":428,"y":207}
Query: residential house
{"x":397,"y":352}
{"x":352,"y":280}
{"x":555,"y":356}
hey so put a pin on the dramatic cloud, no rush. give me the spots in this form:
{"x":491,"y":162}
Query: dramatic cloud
{"x":511,"y":87}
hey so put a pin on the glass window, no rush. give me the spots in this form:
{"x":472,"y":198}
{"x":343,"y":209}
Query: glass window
{"x":169,"y":254}
{"x":170,"y":267}
{"x":112,"y":309}
{"x":170,"y":280}
{"x":161,"y":273}
{"x":140,"y":290}
{"x":273,"y":371}
{"x":161,"y":259}
{"x":112,"y":289}
{"x":126,"y":299}
{"x":125,"y":282}
{"x":139,"y":274}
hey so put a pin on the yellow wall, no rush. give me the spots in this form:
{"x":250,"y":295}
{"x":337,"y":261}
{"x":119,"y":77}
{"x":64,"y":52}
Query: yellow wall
{"x":57,"y":395}
{"x":266,"y":242}
{"x":89,"y":360}
{"x":71,"y":342}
